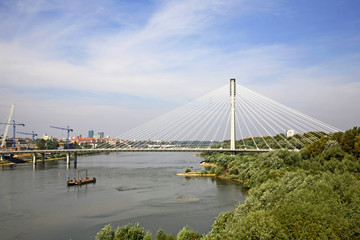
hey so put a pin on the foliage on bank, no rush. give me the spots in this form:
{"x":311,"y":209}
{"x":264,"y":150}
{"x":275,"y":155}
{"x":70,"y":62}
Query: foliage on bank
{"x":136,"y":232}
{"x":4,"y":162}
{"x":313,"y":193}
{"x":310,"y":194}
{"x":42,"y":144}
{"x":273,"y":142}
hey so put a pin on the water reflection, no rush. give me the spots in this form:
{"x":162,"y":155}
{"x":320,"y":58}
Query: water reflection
{"x":130,"y":187}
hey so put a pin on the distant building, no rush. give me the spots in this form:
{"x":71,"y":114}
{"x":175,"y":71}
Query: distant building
{"x":91,"y":134}
{"x":101,"y":134}
{"x":47,"y":137}
{"x":290,"y":133}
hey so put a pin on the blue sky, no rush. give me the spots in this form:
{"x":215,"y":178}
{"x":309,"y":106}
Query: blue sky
{"x":112,"y":65}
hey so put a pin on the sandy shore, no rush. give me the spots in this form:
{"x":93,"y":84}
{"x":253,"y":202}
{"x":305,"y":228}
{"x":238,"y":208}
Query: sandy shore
{"x":6,"y":163}
{"x":199,"y":174}
{"x":205,"y":164}
{"x":196,"y":174}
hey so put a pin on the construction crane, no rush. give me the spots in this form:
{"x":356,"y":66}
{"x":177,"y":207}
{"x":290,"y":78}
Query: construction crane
{"x":3,"y":141}
{"x":68,"y":131}
{"x":33,"y":135}
{"x":14,"y":124}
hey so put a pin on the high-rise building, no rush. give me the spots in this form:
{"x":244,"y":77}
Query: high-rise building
{"x":91,"y":134}
{"x":101,"y":134}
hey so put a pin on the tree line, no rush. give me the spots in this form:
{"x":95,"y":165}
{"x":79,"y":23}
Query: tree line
{"x":313,"y":193}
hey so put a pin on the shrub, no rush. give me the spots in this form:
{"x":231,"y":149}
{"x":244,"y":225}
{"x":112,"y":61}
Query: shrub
{"x":187,"y":234}
{"x":106,"y":233}
{"x":129,"y":232}
{"x":219,"y":171}
{"x":161,"y":235}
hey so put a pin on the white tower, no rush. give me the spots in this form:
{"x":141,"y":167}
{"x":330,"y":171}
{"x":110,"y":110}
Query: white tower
{"x":232,"y":96}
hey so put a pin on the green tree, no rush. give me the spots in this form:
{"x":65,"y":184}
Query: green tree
{"x":187,"y":234}
{"x":129,"y":232}
{"x":40,"y":144}
{"x":161,"y":235}
{"x":350,"y":141}
{"x":51,"y":144}
{"x":106,"y":233}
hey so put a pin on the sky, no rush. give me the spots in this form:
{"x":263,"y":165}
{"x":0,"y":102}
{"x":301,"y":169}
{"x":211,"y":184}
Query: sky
{"x":112,"y":65}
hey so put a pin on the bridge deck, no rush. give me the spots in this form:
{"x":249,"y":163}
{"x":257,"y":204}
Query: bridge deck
{"x":134,"y":150}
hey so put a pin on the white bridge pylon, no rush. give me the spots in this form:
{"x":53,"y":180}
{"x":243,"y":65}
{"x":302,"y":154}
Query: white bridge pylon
{"x":257,"y":121}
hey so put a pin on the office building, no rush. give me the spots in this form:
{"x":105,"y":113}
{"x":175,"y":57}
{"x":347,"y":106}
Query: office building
{"x":91,"y":134}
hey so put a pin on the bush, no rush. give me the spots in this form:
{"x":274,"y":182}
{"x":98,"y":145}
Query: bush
{"x":162,"y":236}
{"x":129,"y":232}
{"x":219,"y":171}
{"x":296,"y":206}
{"x":187,"y":234}
{"x":106,"y":233}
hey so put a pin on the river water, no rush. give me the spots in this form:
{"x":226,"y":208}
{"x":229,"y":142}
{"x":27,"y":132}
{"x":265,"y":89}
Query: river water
{"x":35,"y":202}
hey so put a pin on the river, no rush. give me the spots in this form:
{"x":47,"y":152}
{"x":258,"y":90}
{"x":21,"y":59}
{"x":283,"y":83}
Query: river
{"x":35,"y":202}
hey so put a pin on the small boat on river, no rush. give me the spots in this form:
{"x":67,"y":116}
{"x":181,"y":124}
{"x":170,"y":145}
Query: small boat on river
{"x":82,"y":180}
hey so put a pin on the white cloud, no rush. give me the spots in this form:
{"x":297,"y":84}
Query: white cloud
{"x":164,"y":56}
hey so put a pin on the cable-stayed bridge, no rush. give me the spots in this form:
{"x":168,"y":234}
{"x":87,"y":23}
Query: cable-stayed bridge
{"x":223,"y":117}
{"x":234,"y":119}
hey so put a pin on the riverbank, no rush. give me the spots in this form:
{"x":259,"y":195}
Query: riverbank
{"x":223,"y":175}
{"x":207,"y":164}
{"x":196,"y":174}
{"x":200,"y":174}
{"x":27,"y":158}
{"x":6,"y":163}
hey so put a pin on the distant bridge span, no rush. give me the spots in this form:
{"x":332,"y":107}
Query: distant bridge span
{"x":68,"y":152}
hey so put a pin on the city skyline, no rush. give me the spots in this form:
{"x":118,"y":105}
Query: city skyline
{"x":113,"y":65}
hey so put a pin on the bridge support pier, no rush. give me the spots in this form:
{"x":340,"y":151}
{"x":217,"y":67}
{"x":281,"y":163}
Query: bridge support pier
{"x":43,"y":157}
{"x":68,"y":158}
{"x":34,"y":158}
{"x":75,"y":157}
